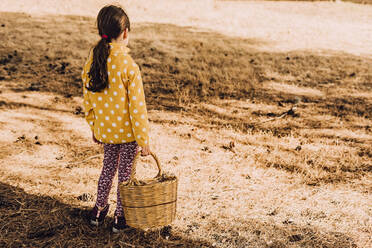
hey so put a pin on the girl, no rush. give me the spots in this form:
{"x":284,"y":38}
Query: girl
{"x":115,"y":108}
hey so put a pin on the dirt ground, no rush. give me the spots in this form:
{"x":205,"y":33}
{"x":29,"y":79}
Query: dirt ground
{"x":271,"y":141}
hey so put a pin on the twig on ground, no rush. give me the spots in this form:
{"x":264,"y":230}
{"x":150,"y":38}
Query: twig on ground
{"x":291,"y":111}
{"x":82,"y":161}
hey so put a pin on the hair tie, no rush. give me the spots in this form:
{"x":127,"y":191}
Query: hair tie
{"x":104,"y":36}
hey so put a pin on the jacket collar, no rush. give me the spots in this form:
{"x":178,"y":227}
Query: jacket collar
{"x":118,"y":46}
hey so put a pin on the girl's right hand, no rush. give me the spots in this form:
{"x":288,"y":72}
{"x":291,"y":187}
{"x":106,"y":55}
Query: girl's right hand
{"x":145,"y":151}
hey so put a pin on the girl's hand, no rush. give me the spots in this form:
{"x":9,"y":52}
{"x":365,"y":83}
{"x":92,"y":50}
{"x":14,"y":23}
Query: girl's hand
{"x":95,"y":140}
{"x":145,"y":151}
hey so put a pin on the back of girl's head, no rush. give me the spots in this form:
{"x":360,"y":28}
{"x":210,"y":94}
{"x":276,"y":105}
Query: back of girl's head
{"x":111,"y":22}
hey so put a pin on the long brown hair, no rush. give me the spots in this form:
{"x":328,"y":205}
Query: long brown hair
{"x":111,"y":22}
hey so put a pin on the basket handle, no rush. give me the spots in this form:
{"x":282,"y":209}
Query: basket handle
{"x":133,"y":180}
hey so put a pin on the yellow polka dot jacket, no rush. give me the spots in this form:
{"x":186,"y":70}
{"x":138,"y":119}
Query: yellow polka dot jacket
{"x":118,"y":114}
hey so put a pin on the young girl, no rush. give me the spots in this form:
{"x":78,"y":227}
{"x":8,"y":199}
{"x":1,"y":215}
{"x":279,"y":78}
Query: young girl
{"x":115,"y":108}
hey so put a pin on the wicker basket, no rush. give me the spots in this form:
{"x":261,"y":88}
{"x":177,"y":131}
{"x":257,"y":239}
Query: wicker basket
{"x":150,"y":203}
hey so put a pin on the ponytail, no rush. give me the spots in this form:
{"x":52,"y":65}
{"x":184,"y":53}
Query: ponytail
{"x":98,"y":70}
{"x":111,"y":22}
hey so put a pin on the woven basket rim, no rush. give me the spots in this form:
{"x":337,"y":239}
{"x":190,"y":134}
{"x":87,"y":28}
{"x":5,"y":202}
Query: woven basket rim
{"x":122,"y":184}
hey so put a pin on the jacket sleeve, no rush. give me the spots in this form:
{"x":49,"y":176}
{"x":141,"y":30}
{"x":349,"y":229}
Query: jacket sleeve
{"x":137,"y":104}
{"x":88,"y":108}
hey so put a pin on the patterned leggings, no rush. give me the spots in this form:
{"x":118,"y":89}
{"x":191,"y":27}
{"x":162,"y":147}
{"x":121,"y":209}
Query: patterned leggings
{"x":116,"y":157}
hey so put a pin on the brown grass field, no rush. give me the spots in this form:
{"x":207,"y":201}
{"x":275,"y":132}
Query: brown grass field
{"x":271,"y":141}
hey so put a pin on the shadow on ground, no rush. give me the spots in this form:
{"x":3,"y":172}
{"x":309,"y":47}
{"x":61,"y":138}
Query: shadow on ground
{"x":40,"y":221}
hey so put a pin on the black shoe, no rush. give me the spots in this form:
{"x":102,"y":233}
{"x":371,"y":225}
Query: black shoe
{"x":97,"y":217}
{"x":119,"y":224}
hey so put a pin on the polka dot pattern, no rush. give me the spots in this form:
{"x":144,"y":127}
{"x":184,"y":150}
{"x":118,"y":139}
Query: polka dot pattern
{"x":120,"y":109}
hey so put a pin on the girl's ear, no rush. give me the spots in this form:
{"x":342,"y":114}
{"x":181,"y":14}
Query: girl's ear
{"x":125,"y":34}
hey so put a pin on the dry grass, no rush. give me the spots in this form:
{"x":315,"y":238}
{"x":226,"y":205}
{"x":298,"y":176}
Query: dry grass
{"x":281,"y":26}
{"x":302,"y":180}
{"x":177,"y":62}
